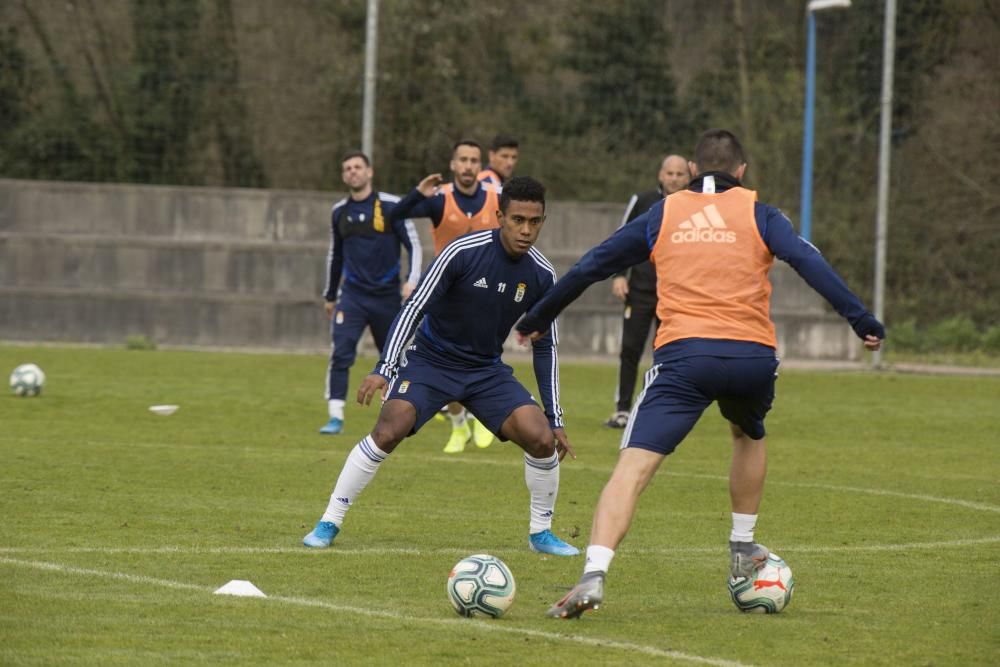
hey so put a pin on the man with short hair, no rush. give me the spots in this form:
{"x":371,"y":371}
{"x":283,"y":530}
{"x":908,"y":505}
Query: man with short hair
{"x":712,"y":246}
{"x":462,"y":312}
{"x":462,"y":206}
{"x":503,"y":154}
{"x":636,"y":287}
{"x":363,"y":275}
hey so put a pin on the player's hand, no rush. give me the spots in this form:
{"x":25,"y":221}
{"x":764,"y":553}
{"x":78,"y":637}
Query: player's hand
{"x":869,"y":330}
{"x":407,"y":290}
{"x":562,"y":444}
{"x":372,"y":384}
{"x":524,"y":339}
{"x":619,"y":287}
{"x":330,"y":306}
{"x":429,"y":185}
{"x":872,"y":342}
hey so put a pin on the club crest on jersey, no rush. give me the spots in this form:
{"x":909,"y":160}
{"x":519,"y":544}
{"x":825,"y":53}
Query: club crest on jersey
{"x":340,"y":317}
{"x":404,"y":386}
{"x":519,"y":294}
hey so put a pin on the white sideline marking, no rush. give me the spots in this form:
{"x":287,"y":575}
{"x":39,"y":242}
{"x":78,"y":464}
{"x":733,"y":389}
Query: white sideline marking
{"x":376,"y":613}
{"x":958,"y":502}
{"x":968,"y":504}
{"x":367,"y":551}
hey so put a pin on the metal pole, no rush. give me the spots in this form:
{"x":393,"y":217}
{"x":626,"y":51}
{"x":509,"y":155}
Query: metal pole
{"x":805,"y":207}
{"x":368,"y":110}
{"x":884,"y":154}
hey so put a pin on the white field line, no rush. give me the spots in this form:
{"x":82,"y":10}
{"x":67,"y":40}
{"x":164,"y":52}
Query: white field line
{"x":465,"y":625}
{"x":958,"y":502}
{"x":475,"y":460}
{"x":711,"y":552}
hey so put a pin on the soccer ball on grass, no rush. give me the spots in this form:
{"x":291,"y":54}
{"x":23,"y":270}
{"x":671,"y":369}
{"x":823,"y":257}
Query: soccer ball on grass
{"x":27,"y":380}
{"x":766,"y":591}
{"x":481,"y":585}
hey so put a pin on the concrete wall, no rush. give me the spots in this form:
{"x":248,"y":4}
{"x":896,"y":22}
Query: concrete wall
{"x":245,"y":268}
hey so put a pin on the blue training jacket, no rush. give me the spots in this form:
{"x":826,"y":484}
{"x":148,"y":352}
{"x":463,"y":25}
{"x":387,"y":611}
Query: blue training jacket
{"x":466,"y":305}
{"x":365,"y":247}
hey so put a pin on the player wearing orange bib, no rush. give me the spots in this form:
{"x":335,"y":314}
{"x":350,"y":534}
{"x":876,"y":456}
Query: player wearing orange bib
{"x":463,"y":206}
{"x":712,"y":246}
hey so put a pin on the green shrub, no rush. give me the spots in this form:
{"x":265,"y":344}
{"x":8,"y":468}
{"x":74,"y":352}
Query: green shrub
{"x":905,"y":337}
{"x":956,"y":334}
{"x":139,"y":342}
{"x":991,"y":340}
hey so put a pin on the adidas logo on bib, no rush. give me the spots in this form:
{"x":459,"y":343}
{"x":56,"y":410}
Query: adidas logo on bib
{"x":481,"y":283}
{"x":705,"y":226}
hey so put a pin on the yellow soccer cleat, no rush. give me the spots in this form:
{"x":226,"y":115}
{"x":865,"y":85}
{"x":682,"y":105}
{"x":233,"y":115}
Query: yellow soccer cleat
{"x":460,"y":435}
{"x":482,"y":436}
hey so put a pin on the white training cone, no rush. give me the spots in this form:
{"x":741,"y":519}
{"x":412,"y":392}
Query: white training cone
{"x":163,"y":410}
{"x":241,"y":588}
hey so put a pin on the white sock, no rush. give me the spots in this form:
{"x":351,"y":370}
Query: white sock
{"x":598,"y":559}
{"x":542,"y":478}
{"x":336,"y":408}
{"x":743,"y":525}
{"x":359,"y":469}
{"x":457,"y":421}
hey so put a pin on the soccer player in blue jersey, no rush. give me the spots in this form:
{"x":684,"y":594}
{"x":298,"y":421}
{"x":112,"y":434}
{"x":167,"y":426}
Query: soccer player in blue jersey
{"x":462,"y":206}
{"x":362,"y":279}
{"x":712,"y":246}
{"x":462,"y":312}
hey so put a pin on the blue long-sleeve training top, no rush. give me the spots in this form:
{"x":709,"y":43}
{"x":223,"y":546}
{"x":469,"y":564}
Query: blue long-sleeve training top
{"x":365,"y":246}
{"x":415,"y":205}
{"x":632,"y":244}
{"x":465,"y":306}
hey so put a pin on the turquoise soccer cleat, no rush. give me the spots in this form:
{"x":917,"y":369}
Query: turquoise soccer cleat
{"x":321,"y":535}
{"x":333,"y":427}
{"x":547,"y":543}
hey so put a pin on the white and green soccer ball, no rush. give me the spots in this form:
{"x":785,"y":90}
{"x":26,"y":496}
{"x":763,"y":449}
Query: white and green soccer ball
{"x":766,"y":591}
{"x":27,"y":380}
{"x":481,"y":585}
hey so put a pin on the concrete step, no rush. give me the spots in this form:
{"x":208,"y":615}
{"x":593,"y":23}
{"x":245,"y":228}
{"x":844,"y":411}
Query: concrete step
{"x":166,"y":318}
{"x":295,"y":269}
{"x":164,"y":211}
{"x":155,"y":264}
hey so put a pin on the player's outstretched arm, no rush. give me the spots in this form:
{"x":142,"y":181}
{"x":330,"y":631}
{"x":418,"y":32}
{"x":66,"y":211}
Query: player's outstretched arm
{"x":416,"y":204}
{"x":626,"y":247}
{"x":371,"y":385}
{"x":808,"y":262}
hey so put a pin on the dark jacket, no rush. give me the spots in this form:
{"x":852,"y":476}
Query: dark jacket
{"x":641,"y":277}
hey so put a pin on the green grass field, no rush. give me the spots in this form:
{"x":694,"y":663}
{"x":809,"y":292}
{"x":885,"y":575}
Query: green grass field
{"x":116,"y":525}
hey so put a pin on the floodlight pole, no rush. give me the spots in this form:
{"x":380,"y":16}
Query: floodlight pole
{"x":884,"y":155}
{"x":368,"y":106}
{"x":805,"y":207}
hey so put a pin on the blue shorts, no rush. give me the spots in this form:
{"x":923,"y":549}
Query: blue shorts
{"x":675,"y":395}
{"x":491,"y":392}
